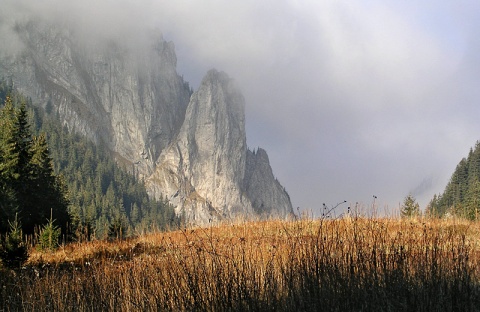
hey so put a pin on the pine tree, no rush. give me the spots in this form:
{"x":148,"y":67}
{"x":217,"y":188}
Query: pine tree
{"x":49,"y":236}
{"x":50,"y":192}
{"x":472,"y":199}
{"x":117,"y":228}
{"x":410,"y":207}
{"x":20,"y":139}
{"x":433,"y":206}
{"x":13,"y":251}
{"x":28,"y":185}
{"x":8,"y":163}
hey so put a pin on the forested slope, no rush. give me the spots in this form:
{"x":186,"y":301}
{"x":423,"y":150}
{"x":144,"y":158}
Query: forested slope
{"x":102,"y":196}
{"x":461,"y":196}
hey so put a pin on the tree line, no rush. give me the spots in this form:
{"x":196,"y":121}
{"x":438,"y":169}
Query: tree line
{"x":461,"y":196}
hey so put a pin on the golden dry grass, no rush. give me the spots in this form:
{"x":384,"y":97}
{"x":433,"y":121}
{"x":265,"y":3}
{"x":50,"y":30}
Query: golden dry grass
{"x":329,"y":265}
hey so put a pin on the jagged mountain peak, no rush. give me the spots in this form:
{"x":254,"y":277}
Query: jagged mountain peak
{"x":128,"y":97}
{"x":215,"y":75}
{"x":189,"y":147}
{"x":217,"y":110}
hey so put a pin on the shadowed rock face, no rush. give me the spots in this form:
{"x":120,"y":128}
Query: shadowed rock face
{"x":268,"y":197}
{"x":189,"y":147}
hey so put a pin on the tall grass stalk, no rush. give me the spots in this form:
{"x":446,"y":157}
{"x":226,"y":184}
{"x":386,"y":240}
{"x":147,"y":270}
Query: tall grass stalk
{"x":306,"y":265}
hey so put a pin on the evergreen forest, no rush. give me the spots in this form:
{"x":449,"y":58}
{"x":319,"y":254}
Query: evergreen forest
{"x":461,"y":196}
{"x":49,"y":173}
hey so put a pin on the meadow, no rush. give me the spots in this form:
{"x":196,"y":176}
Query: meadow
{"x":349,"y":264}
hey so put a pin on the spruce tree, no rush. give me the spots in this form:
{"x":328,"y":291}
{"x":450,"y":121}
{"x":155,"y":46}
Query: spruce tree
{"x":8,"y":163}
{"x":13,"y":251}
{"x":49,"y":236}
{"x":50,"y":193}
{"x":410,"y":207}
{"x":21,"y":140}
{"x":29,"y":186}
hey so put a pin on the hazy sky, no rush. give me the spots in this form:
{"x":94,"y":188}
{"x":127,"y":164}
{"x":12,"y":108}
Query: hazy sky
{"x":350,"y":98}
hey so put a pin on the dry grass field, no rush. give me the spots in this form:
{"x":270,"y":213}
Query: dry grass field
{"x":305,"y":265}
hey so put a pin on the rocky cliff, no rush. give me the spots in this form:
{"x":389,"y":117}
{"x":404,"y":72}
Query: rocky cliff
{"x":189,"y":147}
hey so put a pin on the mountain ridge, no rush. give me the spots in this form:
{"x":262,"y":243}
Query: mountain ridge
{"x":132,"y":100}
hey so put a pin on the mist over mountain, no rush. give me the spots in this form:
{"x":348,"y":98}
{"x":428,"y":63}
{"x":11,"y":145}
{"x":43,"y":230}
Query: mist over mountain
{"x":120,"y":88}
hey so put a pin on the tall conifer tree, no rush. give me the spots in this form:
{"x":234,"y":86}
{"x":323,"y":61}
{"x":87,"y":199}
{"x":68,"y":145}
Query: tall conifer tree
{"x":29,"y":186}
{"x":8,"y":161}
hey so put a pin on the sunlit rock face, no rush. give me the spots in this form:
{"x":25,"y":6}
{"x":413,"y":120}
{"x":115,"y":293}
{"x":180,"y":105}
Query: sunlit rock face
{"x":128,"y":96}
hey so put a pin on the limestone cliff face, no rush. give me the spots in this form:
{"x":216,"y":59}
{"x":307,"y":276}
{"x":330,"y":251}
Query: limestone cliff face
{"x":129,"y":98}
{"x":189,"y":147}
{"x":208,"y":172}
{"x":205,"y":166}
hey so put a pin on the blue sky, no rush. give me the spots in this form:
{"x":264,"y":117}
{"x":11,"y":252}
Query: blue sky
{"x":350,"y":98}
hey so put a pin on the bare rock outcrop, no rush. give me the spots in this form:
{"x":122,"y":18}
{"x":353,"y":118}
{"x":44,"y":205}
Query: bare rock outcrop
{"x":129,"y":98}
{"x":189,"y":147}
